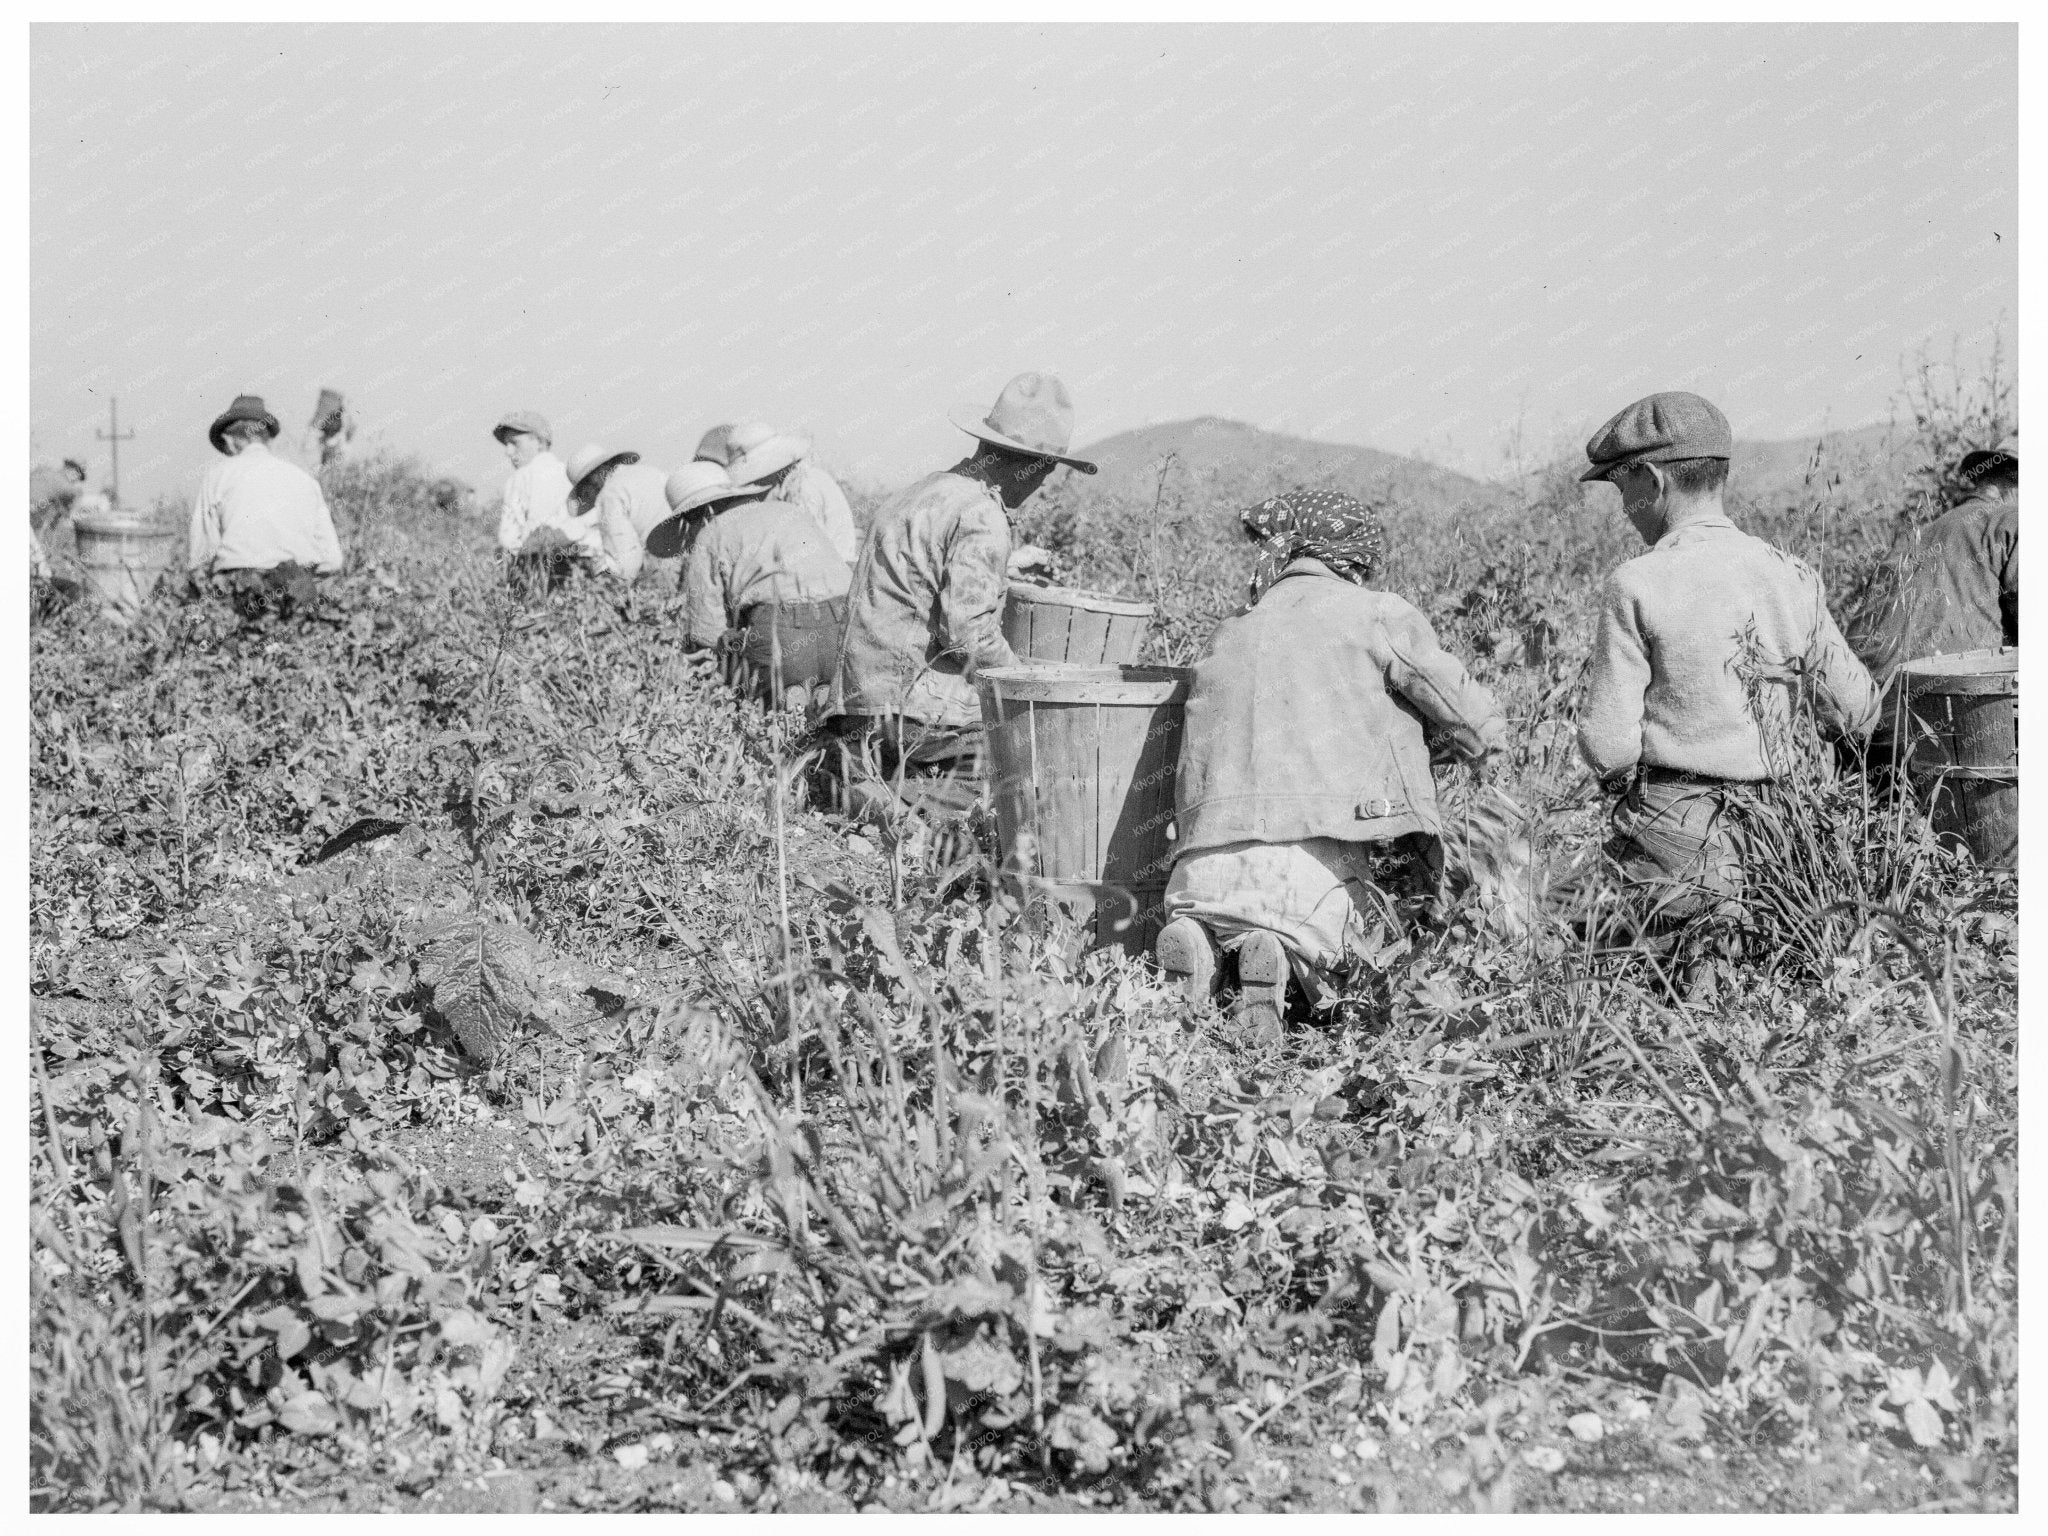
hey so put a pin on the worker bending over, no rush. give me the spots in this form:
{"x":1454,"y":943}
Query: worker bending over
{"x":1953,"y":586}
{"x":624,"y":499}
{"x":1304,"y":807}
{"x":761,"y":587}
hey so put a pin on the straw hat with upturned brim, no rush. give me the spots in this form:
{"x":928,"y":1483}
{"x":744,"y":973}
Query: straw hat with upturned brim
{"x":715,"y":446}
{"x":760,"y":451}
{"x":692,"y":488}
{"x":245,"y":408}
{"x":589,"y":459}
{"x":1033,"y":415}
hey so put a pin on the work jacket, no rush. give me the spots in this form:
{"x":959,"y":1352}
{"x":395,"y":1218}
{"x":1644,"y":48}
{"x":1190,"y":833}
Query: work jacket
{"x":1953,"y":586}
{"x":1705,"y":643}
{"x":926,"y":610}
{"x":631,"y":504}
{"x":809,"y":487}
{"x":1313,"y":715}
{"x":751,"y":553}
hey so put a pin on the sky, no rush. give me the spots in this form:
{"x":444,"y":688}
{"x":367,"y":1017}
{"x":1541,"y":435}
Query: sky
{"x":1415,"y":238}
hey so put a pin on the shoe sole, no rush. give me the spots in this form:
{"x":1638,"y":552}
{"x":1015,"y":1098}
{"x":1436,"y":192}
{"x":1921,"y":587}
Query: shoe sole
{"x":1262,"y":973}
{"x":1187,"y":958}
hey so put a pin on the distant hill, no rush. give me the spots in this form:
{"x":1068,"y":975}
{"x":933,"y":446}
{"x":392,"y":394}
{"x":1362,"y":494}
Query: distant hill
{"x":1778,"y":471}
{"x":1214,"y":461}
{"x":1236,"y":463}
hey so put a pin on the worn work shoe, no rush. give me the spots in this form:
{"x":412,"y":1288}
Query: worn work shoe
{"x":1262,"y":985}
{"x":1188,"y":958}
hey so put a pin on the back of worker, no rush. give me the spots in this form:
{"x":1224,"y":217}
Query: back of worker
{"x":1954,"y":587}
{"x":754,"y":553}
{"x":1312,"y":716}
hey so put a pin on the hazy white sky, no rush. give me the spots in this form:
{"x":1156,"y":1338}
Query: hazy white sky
{"x":1406,"y":237}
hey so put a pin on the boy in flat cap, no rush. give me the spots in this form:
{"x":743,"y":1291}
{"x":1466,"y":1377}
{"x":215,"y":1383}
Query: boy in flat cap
{"x":535,"y":506}
{"x":1709,"y":650}
{"x":1953,"y":586}
{"x":925,"y":612}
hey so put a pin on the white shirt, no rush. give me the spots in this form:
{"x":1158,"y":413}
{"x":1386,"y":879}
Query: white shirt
{"x":809,"y":487}
{"x":536,"y":497}
{"x":256,"y":511}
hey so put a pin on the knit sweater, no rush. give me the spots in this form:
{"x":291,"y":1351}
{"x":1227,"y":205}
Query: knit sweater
{"x":1704,"y":644}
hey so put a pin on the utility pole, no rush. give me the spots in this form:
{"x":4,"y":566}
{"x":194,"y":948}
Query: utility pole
{"x":114,"y":437}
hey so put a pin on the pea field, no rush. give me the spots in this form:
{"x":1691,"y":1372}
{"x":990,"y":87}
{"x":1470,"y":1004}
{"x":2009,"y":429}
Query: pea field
{"x":470,"y":1072}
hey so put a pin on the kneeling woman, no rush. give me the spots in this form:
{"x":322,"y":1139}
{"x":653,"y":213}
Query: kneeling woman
{"x":761,"y":586}
{"x":1305,"y":762}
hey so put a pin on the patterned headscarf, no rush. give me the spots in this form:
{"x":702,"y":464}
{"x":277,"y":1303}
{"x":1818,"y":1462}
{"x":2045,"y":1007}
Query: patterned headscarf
{"x":1329,"y":526}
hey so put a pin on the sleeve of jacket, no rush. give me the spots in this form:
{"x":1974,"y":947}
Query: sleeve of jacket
{"x":202,"y":539}
{"x":704,"y":616}
{"x":1844,"y":695}
{"x":836,"y":516}
{"x":975,"y":582}
{"x":1617,"y":680}
{"x":623,"y":552}
{"x":1436,"y":683}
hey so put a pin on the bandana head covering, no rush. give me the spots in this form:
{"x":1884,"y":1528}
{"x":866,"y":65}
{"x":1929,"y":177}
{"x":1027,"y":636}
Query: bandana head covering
{"x":1339,"y":530}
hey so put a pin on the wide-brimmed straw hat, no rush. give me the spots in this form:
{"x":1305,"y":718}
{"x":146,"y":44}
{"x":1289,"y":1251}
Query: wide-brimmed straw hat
{"x":245,"y":408}
{"x":1034,"y":415}
{"x":760,"y":451}
{"x":523,"y":421}
{"x":592,"y":457}
{"x":692,"y":488}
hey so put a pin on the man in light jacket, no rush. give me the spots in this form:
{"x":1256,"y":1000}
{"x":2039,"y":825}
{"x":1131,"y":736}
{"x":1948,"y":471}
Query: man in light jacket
{"x":1714,"y":651}
{"x":1304,"y":799}
{"x":255,"y":511}
{"x":624,"y":498}
{"x":925,"y":614}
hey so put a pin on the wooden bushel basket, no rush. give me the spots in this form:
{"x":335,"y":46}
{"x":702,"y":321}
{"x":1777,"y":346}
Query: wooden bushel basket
{"x":1075,"y":628}
{"x":120,"y":556}
{"x":1083,"y":761}
{"x":1962,"y":748}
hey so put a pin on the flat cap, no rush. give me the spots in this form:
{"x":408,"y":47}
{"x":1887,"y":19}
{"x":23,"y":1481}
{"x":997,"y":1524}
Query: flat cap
{"x":1659,"y":429}
{"x":523,"y":421}
{"x":1979,"y":462}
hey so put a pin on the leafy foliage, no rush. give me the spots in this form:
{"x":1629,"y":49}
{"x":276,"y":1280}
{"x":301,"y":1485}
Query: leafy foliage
{"x":610,"y":1095}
